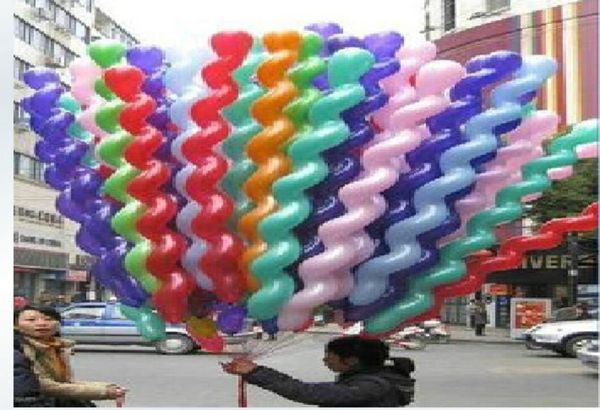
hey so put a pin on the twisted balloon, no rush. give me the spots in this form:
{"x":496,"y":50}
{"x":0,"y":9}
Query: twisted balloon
{"x":409,"y":120}
{"x":220,"y":259}
{"x":467,"y":101}
{"x":283,"y":247}
{"x":480,"y":228}
{"x":344,"y":70}
{"x":511,"y":252}
{"x":265,"y":150}
{"x":161,"y":251}
{"x":524,"y":144}
{"x":346,"y":242}
{"x":244,"y":127}
{"x":179,"y":79}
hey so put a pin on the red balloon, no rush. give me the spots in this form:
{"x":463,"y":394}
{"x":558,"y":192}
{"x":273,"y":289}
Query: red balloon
{"x":220,"y":260}
{"x":168,"y":246}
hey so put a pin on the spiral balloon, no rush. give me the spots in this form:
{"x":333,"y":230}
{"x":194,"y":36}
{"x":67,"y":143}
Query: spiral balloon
{"x":244,"y":127}
{"x":344,"y":70}
{"x":405,"y":237}
{"x":111,"y":150}
{"x":524,"y":144}
{"x":346,"y":242}
{"x":511,"y":252}
{"x":223,"y":250}
{"x":82,"y":202}
{"x":480,"y":228}
{"x":343,"y":159}
{"x":265,"y":150}
{"x":283,"y":247}
{"x":325,"y":30}
{"x":430,"y":88}
{"x":161,"y":252}
{"x":424,"y":160}
{"x":179,"y":79}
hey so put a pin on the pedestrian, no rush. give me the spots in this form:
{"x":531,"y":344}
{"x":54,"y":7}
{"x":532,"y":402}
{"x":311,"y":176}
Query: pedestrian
{"x":26,"y":384}
{"x":60,"y":302}
{"x":480,"y":317}
{"x":582,"y":312}
{"x":50,"y":355}
{"x":367,"y":376}
{"x":471,"y":307}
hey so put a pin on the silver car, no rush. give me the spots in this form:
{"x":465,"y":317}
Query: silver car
{"x":103,"y":323}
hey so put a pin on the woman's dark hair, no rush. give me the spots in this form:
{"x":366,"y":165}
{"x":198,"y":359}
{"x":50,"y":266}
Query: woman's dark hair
{"x":369,"y":352}
{"x":44,"y":310}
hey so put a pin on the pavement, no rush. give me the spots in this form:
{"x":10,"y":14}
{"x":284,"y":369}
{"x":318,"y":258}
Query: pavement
{"x":458,"y":333}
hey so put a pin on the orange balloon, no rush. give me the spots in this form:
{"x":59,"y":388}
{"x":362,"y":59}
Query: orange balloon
{"x":265,"y":149}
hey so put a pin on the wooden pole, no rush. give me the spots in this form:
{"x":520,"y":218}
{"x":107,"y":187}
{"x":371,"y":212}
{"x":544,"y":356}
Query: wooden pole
{"x":242,"y":397}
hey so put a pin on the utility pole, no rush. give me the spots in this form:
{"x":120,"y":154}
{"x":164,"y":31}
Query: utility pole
{"x":572,"y":278}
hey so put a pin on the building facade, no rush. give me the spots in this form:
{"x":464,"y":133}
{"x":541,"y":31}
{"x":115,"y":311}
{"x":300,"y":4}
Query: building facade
{"x":48,"y":33}
{"x":567,"y":31}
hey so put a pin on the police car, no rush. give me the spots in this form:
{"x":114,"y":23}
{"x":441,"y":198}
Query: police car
{"x":103,"y":323}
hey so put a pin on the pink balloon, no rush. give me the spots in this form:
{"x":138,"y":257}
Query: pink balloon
{"x":524,"y":145}
{"x":346,"y":242}
{"x":583,"y":152}
{"x":87,"y":119}
{"x":84,"y":73}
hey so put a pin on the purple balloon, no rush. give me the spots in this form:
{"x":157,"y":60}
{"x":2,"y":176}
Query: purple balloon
{"x":147,"y":58}
{"x":325,"y":30}
{"x":230,"y":320}
{"x":38,"y":77}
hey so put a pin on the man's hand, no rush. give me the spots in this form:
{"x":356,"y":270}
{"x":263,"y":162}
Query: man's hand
{"x":114,"y":391}
{"x":239,"y":366}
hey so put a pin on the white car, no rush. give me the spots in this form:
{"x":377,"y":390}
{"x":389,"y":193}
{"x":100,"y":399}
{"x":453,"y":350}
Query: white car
{"x":589,"y":355}
{"x":565,"y":337}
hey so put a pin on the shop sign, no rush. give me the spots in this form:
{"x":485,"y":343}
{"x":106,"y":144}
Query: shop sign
{"x":83,"y":262}
{"x":24,"y":214}
{"x":19,"y":238}
{"x":76,"y":275}
{"x":527,"y":312}
{"x":498,"y":289}
{"x":549,"y":261}
{"x":40,"y":259}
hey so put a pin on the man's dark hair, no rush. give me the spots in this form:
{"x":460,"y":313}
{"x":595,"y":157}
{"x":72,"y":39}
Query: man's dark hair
{"x":369,"y":352}
{"x":44,"y":310}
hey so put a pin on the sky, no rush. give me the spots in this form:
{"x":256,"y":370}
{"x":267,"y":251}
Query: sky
{"x":184,"y":22}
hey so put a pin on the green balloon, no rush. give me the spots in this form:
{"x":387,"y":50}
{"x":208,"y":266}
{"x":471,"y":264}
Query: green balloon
{"x":106,"y":52}
{"x":107,"y":116}
{"x":481,"y":228}
{"x":148,"y":323}
{"x":244,"y":128}
{"x":319,"y":127}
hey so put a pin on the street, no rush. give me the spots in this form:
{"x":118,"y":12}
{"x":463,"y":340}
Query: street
{"x":454,"y":375}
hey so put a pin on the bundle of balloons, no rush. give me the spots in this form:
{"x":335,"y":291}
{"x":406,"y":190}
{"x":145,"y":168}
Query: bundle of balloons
{"x":265,"y":177}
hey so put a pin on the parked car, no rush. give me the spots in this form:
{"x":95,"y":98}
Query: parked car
{"x":588,"y":354}
{"x":103,"y":323}
{"x":531,"y":344}
{"x":565,"y":337}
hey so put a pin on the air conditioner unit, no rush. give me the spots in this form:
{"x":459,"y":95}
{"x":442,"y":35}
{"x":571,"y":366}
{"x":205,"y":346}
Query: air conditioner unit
{"x":54,"y":62}
{"x":22,"y":125}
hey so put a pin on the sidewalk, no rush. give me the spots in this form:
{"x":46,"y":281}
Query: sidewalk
{"x":458,"y":333}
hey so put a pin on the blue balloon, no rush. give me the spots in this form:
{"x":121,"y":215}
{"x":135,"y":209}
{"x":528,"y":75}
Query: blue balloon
{"x":467,"y":97}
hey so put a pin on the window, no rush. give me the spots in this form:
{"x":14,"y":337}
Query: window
{"x":496,"y":5}
{"x":28,"y":167}
{"x":19,"y":114}
{"x":20,"y":67}
{"x":83,"y":312}
{"x":23,"y":31}
{"x":449,"y":15}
